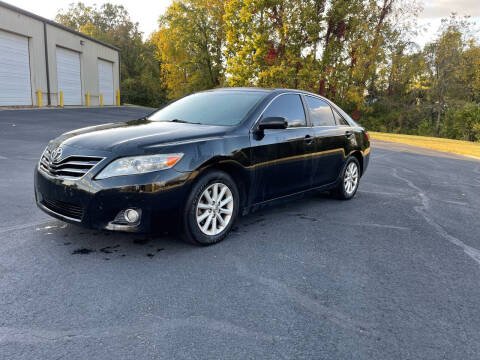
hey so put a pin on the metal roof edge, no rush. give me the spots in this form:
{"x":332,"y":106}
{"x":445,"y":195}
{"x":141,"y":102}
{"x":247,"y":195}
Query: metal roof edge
{"x":53,"y":23}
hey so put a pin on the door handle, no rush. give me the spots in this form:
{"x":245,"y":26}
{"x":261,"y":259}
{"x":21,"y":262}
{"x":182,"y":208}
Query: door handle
{"x":308,"y":139}
{"x":348,"y":133}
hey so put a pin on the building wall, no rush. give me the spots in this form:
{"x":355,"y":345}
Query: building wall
{"x":33,"y":29}
{"x":89,"y":50}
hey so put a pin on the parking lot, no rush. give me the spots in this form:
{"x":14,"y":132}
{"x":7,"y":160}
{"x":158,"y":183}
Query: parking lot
{"x":392,"y":274}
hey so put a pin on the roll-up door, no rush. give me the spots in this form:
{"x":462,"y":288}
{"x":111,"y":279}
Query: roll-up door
{"x":68,"y":76}
{"x":105,"y":81}
{"x":15,"y":87}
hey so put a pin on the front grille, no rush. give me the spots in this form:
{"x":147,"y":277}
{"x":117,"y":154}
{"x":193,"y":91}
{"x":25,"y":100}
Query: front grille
{"x":74,"y":166}
{"x":63,"y":208}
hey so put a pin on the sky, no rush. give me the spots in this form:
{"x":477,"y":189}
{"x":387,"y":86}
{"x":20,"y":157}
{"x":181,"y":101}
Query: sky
{"x":146,"y":12}
{"x":435,"y":10}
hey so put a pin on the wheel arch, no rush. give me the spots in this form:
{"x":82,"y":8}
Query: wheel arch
{"x":358,"y":155}
{"x":237,"y":172}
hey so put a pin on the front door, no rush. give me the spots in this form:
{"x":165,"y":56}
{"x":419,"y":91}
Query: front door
{"x":282,"y":157}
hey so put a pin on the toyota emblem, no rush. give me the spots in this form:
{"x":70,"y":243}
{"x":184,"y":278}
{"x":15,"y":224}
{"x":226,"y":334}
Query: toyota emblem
{"x":56,"y":154}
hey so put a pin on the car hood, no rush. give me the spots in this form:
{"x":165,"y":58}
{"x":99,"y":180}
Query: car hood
{"x":136,"y":135}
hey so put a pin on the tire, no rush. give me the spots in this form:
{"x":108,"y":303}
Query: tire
{"x":349,"y":179}
{"x":198,"y":232}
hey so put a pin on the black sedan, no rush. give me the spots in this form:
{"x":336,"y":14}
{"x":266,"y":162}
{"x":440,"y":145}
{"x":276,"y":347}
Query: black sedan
{"x":198,"y":163}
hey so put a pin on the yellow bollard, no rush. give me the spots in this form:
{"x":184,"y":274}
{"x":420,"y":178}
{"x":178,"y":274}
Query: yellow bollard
{"x":118,"y":97}
{"x":61,"y":98}
{"x":39,"y":98}
{"x":101,"y":99}
{"x":88,"y":99}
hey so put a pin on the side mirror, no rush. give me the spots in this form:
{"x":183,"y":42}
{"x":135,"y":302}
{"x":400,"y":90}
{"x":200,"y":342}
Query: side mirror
{"x":273,"y":122}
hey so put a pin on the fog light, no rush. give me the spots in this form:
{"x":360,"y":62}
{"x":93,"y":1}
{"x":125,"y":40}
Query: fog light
{"x":131,"y":215}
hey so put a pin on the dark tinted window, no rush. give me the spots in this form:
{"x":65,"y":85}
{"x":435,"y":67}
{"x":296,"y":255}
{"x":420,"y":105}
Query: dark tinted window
{"x":211,"y":108}
{"x":339,"y":119}
{"x":320,"y":112}
{"x":290,"y":107}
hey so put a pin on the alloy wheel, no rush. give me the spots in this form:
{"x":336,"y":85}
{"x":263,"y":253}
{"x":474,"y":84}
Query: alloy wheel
{"x":214,"y":209}
{"x":350,"y":180}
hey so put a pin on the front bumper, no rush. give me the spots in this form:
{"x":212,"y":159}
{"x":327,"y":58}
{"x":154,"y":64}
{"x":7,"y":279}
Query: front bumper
{"x":96,"y":203}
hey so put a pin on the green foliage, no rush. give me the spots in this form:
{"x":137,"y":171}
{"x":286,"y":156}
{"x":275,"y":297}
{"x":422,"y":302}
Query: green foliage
{"x":463,"y":123}
{"x":359,"y":54}
{"x":432,"y":92}
{"x":272,"y":43}
{"x":189,"y":42}
{"x":333,"y":47}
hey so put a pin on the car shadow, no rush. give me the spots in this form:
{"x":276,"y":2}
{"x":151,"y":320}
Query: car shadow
{"x":108,"y":245}
{"x":287,"y":208}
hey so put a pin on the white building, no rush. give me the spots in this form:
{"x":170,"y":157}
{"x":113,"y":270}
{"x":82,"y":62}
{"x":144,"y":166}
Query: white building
{"x":39,"y":54}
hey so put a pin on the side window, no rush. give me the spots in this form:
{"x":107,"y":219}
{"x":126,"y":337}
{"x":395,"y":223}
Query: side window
{"x":320,"y":112}
{"x":339,"y":118}
{"x":290,"y":107}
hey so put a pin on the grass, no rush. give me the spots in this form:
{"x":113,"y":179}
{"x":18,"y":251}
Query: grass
{"x":447,"y":145}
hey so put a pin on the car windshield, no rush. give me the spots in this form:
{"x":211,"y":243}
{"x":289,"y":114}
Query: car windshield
{"x":210,"y":108}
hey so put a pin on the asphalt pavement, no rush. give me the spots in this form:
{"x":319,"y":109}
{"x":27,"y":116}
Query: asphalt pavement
{"x":392,"y":274}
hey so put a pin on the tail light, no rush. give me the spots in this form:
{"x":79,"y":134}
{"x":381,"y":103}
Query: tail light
{"x":367,"y":136}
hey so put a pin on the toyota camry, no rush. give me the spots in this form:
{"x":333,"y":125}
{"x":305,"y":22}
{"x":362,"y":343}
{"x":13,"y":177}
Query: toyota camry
{"x":200,"y":162}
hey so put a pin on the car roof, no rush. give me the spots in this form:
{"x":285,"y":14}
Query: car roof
{"x":239,"y":89}
{"x":273,"y":91}
{"x":264,"y":90}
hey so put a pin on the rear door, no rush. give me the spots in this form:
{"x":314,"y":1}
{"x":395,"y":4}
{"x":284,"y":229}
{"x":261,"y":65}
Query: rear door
{"x":281,"y":157}
{"x":330,"y":142}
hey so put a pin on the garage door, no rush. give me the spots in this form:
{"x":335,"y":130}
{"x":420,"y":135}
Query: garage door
{"x":15,"y":87}
{"x":105,"y":81}
{"x":68,"y":75}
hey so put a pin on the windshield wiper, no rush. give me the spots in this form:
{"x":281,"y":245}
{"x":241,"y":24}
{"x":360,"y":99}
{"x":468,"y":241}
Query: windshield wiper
{"x":184,"y":121}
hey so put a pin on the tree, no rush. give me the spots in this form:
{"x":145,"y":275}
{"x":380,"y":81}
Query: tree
{"x":272,"y":43}
{"x":301,"y":44}
{"x":463,"y":122}
{"x":190,"y":41}
{"x":444,"y":60}
{"x":470,"y":71}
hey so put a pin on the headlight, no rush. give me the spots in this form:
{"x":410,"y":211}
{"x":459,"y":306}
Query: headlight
{"x":139,"y":165}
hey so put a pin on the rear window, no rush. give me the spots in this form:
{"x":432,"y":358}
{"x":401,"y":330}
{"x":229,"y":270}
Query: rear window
{"x":211,"y":108}
{"x":339,"y":119}
{"x":320,"y":112}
